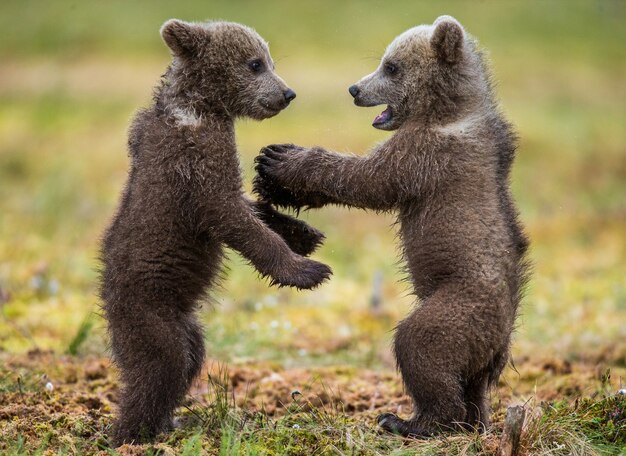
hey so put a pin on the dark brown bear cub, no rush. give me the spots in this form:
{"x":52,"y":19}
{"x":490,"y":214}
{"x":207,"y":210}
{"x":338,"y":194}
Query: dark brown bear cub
{"x":182,"y":203}
{"x":446,"y":174}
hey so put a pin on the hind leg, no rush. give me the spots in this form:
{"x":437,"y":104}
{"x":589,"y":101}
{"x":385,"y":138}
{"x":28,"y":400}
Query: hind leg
{"x":477,"y":390}
{"x":153,"y":354}
{"x":195,"y":339}
{"x":477,"y":402}
{"x":429,"y":358}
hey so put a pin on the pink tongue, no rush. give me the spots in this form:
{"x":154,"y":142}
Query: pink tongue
{"x":383,"y":116}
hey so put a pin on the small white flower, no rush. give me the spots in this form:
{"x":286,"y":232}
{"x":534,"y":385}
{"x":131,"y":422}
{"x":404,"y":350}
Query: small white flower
{"x":273,"y":377}
{"x":622,"y":391}
{"x":303,"y":352}
{"x":36,"y":282}
{"x":286,"y":324}
{"x":53,"y":287}
{"x":258,"y":306}
{"x":49,"y":386}
{"x":344,"y":331}
{"x":274,"y":324}
{"x":271,"y":301}
{"x":296,"y":426}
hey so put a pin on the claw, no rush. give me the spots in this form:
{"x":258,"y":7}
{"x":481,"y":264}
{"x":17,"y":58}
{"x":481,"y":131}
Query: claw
{"x":271,"y":153}
{"x":383,"y":418}
{"x":266,"y":160}
{"x":267,"y":172}
{"x":280,"y":147}
{"x":271,"y":148}
{"x":283,"y":148}
{"x":290,"y":147}
{"x":390,"y":423}
{"x":311,"y":275}
{"x":396,"y":425}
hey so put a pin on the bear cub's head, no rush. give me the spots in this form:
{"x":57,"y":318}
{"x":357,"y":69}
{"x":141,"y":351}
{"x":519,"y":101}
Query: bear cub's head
{"x":223,"y":67}
{"x":426,"y":73}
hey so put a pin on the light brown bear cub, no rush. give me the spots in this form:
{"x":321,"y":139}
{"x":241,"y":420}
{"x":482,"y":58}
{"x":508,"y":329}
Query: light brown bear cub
{"x":182,"y":204}
{"x":446,"y":173}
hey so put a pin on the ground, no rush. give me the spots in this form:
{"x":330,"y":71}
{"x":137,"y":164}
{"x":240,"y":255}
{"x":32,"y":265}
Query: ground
{"x":264,"y":408}
{"x":71,"y":78}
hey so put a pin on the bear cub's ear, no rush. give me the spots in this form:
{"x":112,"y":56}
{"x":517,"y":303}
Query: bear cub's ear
{"x":447,"y":40}
{"x":180,"y":36}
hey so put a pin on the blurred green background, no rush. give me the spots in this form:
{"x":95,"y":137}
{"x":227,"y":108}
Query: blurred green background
{"x":73,"y":73}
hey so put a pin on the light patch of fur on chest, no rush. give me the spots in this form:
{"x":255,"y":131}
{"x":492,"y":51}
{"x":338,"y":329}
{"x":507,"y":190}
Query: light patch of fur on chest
{"x":186,"y":118}
{"x":463,"y":126}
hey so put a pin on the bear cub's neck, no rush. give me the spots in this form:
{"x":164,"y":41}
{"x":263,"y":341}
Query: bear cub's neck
{"x":189,"y":108}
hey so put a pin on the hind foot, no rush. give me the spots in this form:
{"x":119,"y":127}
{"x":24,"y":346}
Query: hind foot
{"x":396,"y":425}
{"x":127,"y":433}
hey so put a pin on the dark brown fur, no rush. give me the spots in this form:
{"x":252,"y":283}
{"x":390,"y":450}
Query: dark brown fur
{"x":446,"y":173}
{"x":182,"y":203}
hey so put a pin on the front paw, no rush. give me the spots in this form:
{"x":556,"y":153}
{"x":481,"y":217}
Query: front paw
{"x":304,"y":275}
{"x":270,"y":191}
{"x":282,"y":150}
{"x":302,"y":238}
{"x":278,"y":168}
{"x":281,"y":164}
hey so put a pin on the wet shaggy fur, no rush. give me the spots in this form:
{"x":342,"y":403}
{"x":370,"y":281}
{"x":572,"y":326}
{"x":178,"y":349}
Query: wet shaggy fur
{"x":183,"y":202}
{"x":445,"y":172}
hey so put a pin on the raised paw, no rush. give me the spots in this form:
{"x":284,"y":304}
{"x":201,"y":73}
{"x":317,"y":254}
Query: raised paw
{"x":306,"y":275}
{"x":269,"y":190}
{"x":301,"y":237}
{"x":396,"y":425}
{"x":281,"y":163}
{"x":271,"y":185}
{"x":277,"y":150}
{"x":272,"y":158}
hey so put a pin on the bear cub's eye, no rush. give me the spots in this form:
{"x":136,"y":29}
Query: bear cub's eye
{"x":391,"y":68}
{"x":256,"y":66}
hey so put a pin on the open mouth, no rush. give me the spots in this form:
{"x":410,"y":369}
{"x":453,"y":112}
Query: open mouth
{"x":383,"y":118}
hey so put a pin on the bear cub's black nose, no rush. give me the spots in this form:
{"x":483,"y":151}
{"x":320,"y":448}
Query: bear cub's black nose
{"x":289,"y":95}
{"x":354,"y":90}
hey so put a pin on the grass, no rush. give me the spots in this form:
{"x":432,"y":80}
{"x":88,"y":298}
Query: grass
{"x":71,"y":78}
{"x":233,"y":416}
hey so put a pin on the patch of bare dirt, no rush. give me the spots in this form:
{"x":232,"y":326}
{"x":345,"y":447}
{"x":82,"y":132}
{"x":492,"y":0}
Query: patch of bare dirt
{"x":65,"y":397}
